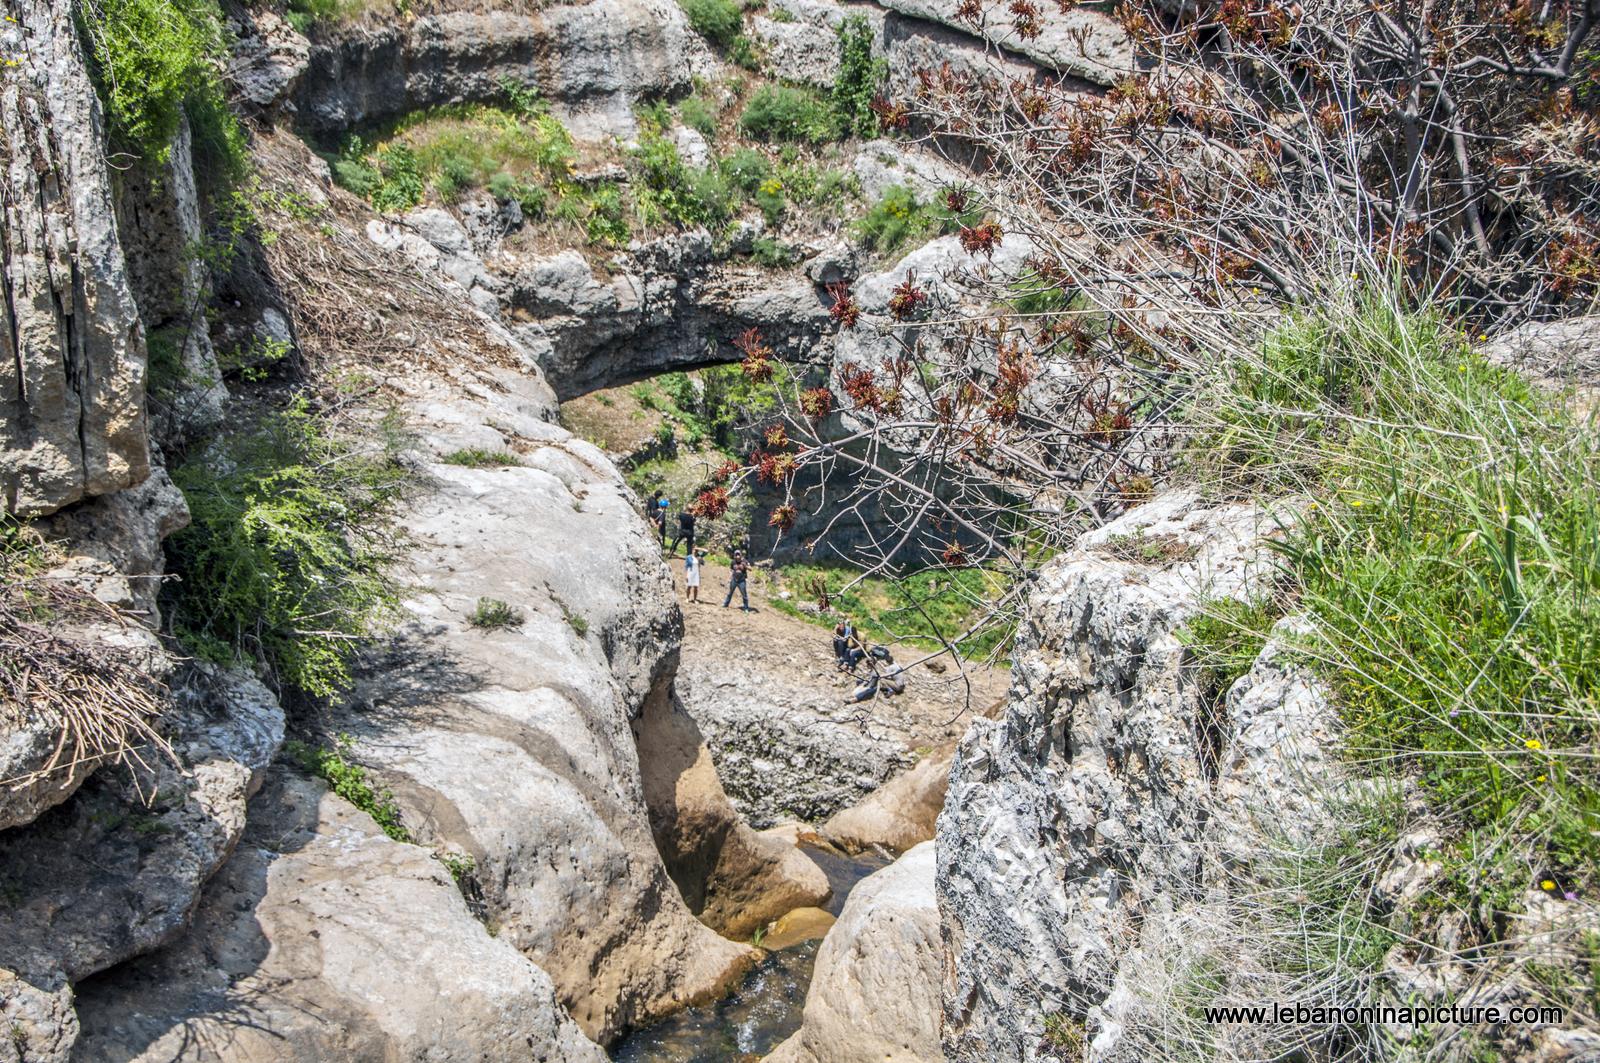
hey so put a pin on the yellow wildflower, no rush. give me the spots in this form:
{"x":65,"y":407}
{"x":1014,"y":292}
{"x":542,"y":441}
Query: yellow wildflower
{"x":1533,"y":743}
{"x":1547,"y":885}
{"x":1542,"y":778}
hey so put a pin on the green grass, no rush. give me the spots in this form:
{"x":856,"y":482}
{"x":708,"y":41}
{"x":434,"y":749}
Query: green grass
{"x":1449,"y":560}
{"x":718,"y":21}
{"x":478,"y":458}
{"x":283,"y":563}
{"x":349,"y":780}
{"x":917,"y":609}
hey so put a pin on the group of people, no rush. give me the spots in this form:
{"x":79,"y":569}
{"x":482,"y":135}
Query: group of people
{"x":694,"y":560}
{"x":883,"y":675}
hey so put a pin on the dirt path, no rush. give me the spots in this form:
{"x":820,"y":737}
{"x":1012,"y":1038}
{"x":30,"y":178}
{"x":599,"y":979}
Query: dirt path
{"x":779,"y":650}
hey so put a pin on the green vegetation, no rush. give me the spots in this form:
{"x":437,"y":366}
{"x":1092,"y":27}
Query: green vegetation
{"x":283,"y":562}
{"x":153,"y":61}
{"x":460,"y":865}
{"x":792,"y":113}
{"x":718,"y":21}
{"x":491,"y":614}
{"x":917,"y":609}
{"x":699,"y":114}
{"x":349,"y":781}
{"x":478,"y":458}
{"x":1449,"y":563}
{"x":898,"y":218}
{"x":859,"y":79}
{"x":774,"y":254}
{"x":1227,"y":637}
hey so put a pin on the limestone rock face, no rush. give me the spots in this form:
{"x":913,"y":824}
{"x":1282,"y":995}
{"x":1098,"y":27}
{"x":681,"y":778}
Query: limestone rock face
{"x":594,"y":61}
{"x":117,"y":871}
{"x":513,"y":746}
{"x":1084,"y":43}
{"x":1085,"y":804}
{"x":324,"y":939}
{"x":1556,"y":353}
{"x":72,"y":368}
{"x":875,"y":994}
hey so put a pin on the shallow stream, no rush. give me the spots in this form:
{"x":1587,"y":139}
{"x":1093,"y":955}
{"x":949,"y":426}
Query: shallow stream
{"x":766,"y":1007}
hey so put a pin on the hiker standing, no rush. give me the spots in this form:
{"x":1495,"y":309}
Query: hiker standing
{"x":691,"y":575}
{"x":685,"y":531}
{"x":738,"y":576}
{"x":660,"y":517}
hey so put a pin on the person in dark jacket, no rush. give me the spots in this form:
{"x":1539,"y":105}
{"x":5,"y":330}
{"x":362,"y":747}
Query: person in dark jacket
{"x":660,"y":518}
{"x":685,"y":531}
{"x":738,"y":576}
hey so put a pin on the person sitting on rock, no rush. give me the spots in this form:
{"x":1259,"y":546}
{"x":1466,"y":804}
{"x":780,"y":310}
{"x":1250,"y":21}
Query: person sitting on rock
{"x":844,"y":637}
{"x":738,"y":576}
{"x":893,"y":680}
{"x":866,"y":689}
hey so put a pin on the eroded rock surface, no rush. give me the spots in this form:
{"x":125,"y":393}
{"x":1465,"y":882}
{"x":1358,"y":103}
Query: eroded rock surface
{"x":72,"y":354}
{"x":1086,"y":802}
{"x":875,"y":994}
{"x":325,"y":939}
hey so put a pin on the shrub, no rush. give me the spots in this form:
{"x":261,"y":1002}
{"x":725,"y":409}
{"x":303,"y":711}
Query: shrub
{"x":859,"y":78}
{"x":350,"y":782}
{"x":665,"y":187}
{"x":151,"y":59}
{"x":491,"y":614}
{"x":698,"y":115}
{"x":770,"y":199}
{"x":772,"y":253}
{"x":745,"y":53}
{"x":746,"y":169}
{"x":898,"y":218}
{"x":606,"y":222}
{"x":478,"y":458}
{"x":284,"y":559}
{"x":718,"y":21}
{"x":400,"y":179}
{"x":785,"y":112}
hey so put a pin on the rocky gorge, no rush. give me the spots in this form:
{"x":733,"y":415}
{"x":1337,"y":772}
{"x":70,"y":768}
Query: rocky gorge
{"x":528,"y":802}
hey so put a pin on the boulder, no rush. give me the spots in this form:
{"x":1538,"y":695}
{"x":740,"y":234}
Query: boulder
{"x":118,"y":870}
{"x":1083,"y":43}
{"x":72,"y":376}
{"x":266,"y":57}
{"x":874,"y":997}
{"x":325,"y":939}
{"x":899,"y":814}
{"x":1084,"y":805}
{"x":1558,"y":354}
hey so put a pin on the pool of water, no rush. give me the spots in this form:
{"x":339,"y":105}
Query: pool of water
{"x":765,"y":1008}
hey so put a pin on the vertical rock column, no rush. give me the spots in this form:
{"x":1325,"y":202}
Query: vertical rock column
{"x":72,"y":355}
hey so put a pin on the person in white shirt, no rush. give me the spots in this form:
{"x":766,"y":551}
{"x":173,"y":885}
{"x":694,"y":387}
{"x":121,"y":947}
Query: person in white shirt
{"x":691,"y":575}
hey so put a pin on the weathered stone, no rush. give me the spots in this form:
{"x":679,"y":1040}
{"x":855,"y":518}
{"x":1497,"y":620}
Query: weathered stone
{"x":1085,"y":42}
{"x":899,"y":814}
{"x":875,"y":994}
{"x":266,"y":58}
{"x":72,"y":354}
{"x":594,"y":61}
{"x":37,"y":1018}
{"x":118,"y":870}
{"x":124,"y":532}
{"x":1090,"y":794}
{"x":1556,"y":353}
{"x":324,"y":939}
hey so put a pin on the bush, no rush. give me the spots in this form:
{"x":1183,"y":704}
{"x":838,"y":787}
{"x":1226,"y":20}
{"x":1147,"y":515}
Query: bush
{"x":772,"y":253}
{"x":898,"y":218}
{"x":283,"y":562}
{"x":478,"y":458}
{"x":746,"y":169}
{"x":859,"y":79}
{"x":400,"y":184}
{"x":607,"y":223}
{"x":785,"y":112}
{"x":151,"y":59}
{"x":492,"y":614}
{"x":665,"y":188}
{"x":718,"y":21}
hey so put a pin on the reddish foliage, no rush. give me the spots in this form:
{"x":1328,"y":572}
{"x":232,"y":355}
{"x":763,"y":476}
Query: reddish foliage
{"x":955,"y":555}
{"x":891,"y":115}
{"x":725,"y":472}
{"x":816,"y":403}
{"x":844,"y":310}
{"x":776,"y":437}
{"x":712,"y":503}
{"x":862,"y":387}
{"x":782,"y":518}
{"x":976,"y":239}
{"x":906,"y":299}
{"x":757,"y":363}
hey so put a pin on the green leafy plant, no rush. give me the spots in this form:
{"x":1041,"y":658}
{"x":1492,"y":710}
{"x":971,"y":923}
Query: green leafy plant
{"x":492,"y":614}
{"x":283,"y":562}
{"x":718,"y":21}
{"x":898,"y":218}
{"x":859,"y":78}
{"x":792,"y":113}
{"x":698,"y":114}
{"x":350,"y":781}
{"x":774,"y":254}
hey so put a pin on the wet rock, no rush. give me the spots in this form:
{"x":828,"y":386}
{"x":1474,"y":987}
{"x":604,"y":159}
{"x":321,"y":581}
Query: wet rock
{"x":325,"y":939}
{"x":797,"y":926}
{"x":875,"y":993}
